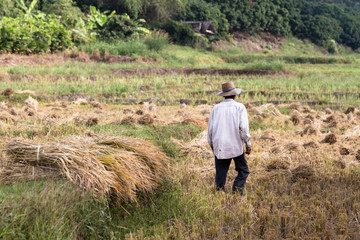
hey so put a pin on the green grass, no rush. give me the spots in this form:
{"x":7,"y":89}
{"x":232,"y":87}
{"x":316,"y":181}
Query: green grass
{"x":51,"y":209}
{"x":124,"y":48}
{"x":54,"y":209}
{"x":308,"y":87}
{"x":274,"y":66}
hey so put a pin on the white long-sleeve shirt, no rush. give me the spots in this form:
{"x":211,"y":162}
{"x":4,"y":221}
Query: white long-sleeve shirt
{"x":228,"y":129}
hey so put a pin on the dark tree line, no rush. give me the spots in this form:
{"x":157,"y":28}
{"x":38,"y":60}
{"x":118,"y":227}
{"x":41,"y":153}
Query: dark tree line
{"x":321,"y":21}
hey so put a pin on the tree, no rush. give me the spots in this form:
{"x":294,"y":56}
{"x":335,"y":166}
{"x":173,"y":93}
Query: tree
{"x":320,"y":29}
{"x":199,"y":10}
{"x":70,"y":14}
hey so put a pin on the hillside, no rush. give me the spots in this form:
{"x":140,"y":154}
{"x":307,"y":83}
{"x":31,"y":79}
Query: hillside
{"x":325,"y":24}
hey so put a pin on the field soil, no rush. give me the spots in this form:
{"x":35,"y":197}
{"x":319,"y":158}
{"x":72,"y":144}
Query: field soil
{"x":187,"y":71}
{"x":304,"y":166}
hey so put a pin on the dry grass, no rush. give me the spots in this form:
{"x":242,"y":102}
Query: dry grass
{"x":295,"y":117}
{"x":73,"y":161}
{"x":146,"y":119}
{"x":297,"y":189}
{"x":330,"y":138}
{"x":149,"y":154}
{"x":302,"y":171}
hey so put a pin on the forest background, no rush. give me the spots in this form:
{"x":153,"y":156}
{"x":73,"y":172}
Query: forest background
{"x":49,"y":25}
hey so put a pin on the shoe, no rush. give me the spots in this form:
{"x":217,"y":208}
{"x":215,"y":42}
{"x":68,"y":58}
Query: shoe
{"x":239,"y":191}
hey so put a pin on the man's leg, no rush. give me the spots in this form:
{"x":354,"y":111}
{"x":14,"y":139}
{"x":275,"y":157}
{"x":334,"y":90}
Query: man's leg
{"x":222,"y":167}
{"x":242,"y":168}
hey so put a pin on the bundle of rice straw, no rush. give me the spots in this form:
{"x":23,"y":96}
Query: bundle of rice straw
{"x":147,"y":153}
{"x":75,"y":164}
{"x":31,"y":104}
{"x":295,"y":117}
{"x":198,"y":148}
{"x":117,"y":167}
{"x":302,"y":171}
{"x":277,"y":164}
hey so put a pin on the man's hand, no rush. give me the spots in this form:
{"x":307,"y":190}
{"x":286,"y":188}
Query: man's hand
{"x":248,"y":150}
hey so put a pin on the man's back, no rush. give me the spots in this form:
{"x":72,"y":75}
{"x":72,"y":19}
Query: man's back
{"x":228,"y":129}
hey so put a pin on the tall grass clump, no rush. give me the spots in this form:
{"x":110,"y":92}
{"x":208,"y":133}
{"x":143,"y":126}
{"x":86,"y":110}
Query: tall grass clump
{"x":52,"y":209}
{"x":157,"y":41}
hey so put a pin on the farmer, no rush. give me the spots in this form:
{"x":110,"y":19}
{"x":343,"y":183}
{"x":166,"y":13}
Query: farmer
{"x":228,"y":132}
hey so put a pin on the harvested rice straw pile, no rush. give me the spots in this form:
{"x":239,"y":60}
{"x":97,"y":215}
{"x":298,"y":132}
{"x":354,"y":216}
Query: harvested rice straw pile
{"x":73,"y":163}
{"x":198,"y":148}
{"x":149,"y":154}
{"x":117,"y":167}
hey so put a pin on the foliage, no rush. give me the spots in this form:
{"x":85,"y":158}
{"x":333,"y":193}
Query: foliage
{"x":151,"y":10}
{"x":156,"y":41}
{"x":180,"y":33}
{"x":332,"y":46}
{"x":319,"y":21}
{"x":254,"y":16}
{"x":200,"y":10}
{"x":27,"y":10}
{"x":319,"y":29}
{"x":97,"y":19}
{"x":121,"y":27}
{"x":33,"y":35}
{"x":6,"y":8}
{"x":71,"y":16}
{"x":84,"y":5}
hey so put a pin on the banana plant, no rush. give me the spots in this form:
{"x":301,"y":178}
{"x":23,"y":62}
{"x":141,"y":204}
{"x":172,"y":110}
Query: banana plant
{"x":28,"y":11}
{"x":98,"y":19}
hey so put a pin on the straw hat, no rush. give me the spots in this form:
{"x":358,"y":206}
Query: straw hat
{"x":229,"y":89}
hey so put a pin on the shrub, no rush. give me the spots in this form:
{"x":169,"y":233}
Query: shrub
{"x":6,"y":8}
{"x":33,"y":35}
{"x":71,"y":14}
{"x":180,"y":33}
{"x":200,"y":10}
{"x":332,"y":46}
{"x":121,"y":27}
{"x":156,"y":41}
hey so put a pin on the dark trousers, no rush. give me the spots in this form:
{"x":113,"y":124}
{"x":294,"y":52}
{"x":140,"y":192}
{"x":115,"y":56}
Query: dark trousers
{"x":222,"y":168}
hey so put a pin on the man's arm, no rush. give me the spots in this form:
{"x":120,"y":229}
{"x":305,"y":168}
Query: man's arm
{"x":210,"y":128}
{"x":244,"y":130}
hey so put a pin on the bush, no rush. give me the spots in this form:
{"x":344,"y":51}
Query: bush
{"x":332,"y":46}
{"x":33,"y":35}
{"x":180,"y":33}
{"x":121,"y":27}
{"x":200,"y":10}
{"x":156,"y":41}
{"x":6,"y":8}
{"x":71,"y":14}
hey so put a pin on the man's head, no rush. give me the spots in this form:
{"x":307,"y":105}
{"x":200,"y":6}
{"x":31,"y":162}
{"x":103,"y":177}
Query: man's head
{"x":229,"y":90}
